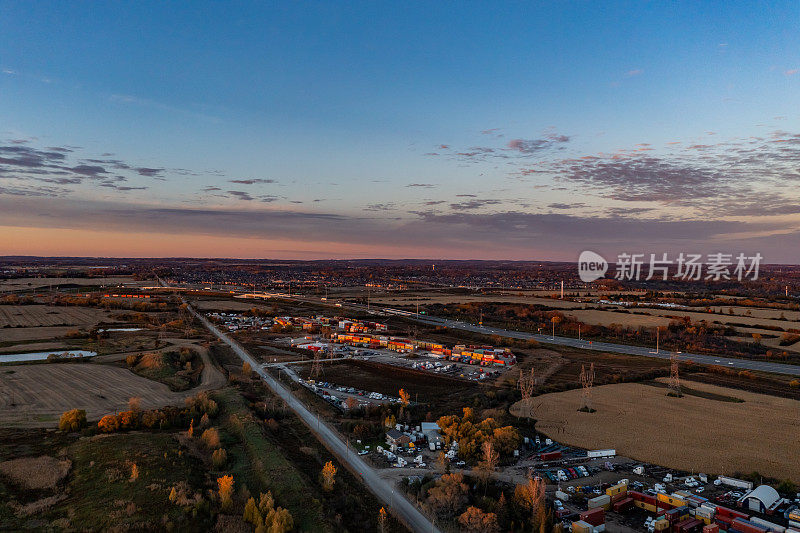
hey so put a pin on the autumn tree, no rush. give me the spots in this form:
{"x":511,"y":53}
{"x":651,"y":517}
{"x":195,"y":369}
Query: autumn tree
{"x":328,"y":476}
{"x":382,"y":519}
{"x":448,"y":496}
{"x":134,"y":473}
{"x":225,"y":485}
{"x":474,"y":520}
{"x":488,"y":463}
{"x":72,"y":420}
{"x":405,"y":399}
{"x":526,"y":384}
{"x":530,"y":497}
{"x":219,"y":458}
{"x":442,"y":462}
{"x":351,"y":403}
{"x":135,"y":404}
{"x":246,"y":369}
{"x":251,"y":512}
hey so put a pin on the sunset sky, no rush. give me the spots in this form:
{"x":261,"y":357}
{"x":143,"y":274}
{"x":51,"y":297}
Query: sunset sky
{"x":474,"y":130}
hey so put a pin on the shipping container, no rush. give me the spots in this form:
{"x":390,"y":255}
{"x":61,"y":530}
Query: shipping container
{"x":600,"y":501}
{"x":617,"y":489}
{"x":690,"y":525}
{"x":745,"y":526}
{"x":711,"y":528}
{"x":673,"y":500}
{"x":623,"y":505}
{"x":769,"y":525}
{"x":582,"y":527}
{"x":549,"y":456}
{"x":594,"y":517}
{"x":730,"y":513}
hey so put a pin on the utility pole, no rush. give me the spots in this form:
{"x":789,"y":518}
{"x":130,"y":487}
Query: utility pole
{"x":657,"y":335}
{"x":579,"y":332}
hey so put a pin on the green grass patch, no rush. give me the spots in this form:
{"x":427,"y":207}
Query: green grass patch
{"x":257,"y":462}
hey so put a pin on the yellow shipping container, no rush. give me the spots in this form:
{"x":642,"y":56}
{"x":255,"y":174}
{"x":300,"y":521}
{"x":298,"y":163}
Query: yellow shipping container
{"x":621,"y":488}
{"x":672,"y":500}
{"x":646,"y":506}
{"x":582,"y":527}
{"x":662,"y":525}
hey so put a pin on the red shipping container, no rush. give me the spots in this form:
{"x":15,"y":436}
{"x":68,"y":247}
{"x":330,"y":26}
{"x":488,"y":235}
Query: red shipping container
{"x":594,"y":517}
{"x":711,"y":528}
{"x":690,"y":525}
{"x":730,"y":513}
{"x":549,"y":456}
{"x":623,"y":505}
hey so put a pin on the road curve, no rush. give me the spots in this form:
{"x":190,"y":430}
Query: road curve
{"x":383,"y":489}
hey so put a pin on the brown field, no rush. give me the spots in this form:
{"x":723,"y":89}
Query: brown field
{"x":661,"y":317}
{"x":36,"y":395}
{"x":33,"y":347}
{"x":691,"y":433}
{"x":37,"y":283}
{"x":28,"y":316}
{"x":31,"y":334}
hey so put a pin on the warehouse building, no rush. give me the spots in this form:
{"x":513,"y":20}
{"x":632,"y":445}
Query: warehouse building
{"x":762,"y":499}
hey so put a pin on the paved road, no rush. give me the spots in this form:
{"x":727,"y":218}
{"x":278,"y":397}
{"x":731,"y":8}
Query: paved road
{"x":384,"y":490}
{"x":744,"y":364}
{"x":741,"y":364}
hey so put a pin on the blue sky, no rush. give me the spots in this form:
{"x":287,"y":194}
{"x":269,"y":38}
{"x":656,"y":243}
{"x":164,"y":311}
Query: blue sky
{"x":309,"y":129}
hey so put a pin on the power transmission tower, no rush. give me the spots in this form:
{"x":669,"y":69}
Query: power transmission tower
{"x":587,"y":381}
{"x":674,"y":377}
{"x":526,"y":383}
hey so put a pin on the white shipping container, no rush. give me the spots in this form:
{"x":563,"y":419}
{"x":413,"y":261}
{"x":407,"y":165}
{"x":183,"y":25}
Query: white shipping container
{"x":601,"y":453}
{"x":769,"y":525}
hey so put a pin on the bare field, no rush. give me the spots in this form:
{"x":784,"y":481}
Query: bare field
{"x":661,"y":317}
{"x":26,"y":316}
{"x":34,"y":347}
{"x":691,"y":433}
{"x":32,"y":334}
{"x":38,"y":283}
{"x":36,"y":395}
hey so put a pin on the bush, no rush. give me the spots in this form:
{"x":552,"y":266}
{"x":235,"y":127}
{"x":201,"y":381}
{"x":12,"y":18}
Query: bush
{"x":219,"y":458}
{"x":72,"y":420}
{"x":210,"y":438}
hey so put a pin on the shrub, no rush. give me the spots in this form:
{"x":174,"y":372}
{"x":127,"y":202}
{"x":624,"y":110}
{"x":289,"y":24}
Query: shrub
{"x":108,"y":424}
{"x":72,"y":420}
{"x":210,"y":438}
{"x":219,"y":458}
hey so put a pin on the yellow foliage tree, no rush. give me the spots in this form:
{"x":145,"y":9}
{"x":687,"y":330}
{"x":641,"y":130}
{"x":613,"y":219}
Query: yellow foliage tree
{"x":134,"y":473}
{"x":72,"y":420}
{"x":328,"y":476}
{"x":225,"y":484}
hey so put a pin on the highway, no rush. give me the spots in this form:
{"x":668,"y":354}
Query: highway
{"x":643,"y":351}
{"x":382,"y":488}
{"x":741,"y":364}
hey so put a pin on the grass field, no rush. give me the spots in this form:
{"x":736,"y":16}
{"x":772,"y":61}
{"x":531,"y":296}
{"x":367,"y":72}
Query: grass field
{"x":98,"y":495}
{"x":28,"y":316}
{"x":692,"y":433}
